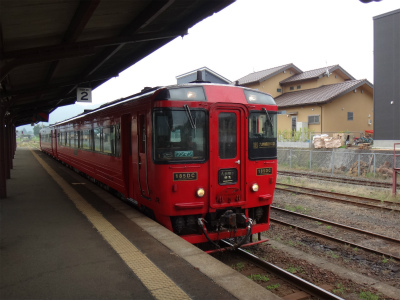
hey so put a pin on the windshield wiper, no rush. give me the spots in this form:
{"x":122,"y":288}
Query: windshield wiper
{"x":190,"y":117}
{"x":269,"y":118}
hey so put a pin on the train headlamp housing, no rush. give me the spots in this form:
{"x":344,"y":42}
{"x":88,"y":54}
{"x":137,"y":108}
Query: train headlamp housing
{"x":192,"y":93}
{"x":200,"y":192}
{"x":254,"y":187}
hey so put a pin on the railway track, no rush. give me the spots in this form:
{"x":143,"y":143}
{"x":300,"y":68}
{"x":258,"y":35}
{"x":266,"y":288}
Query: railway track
{"x":356,"y":200}
{"x":347,"y":180}
{"x":302,"y":284}
{"x":335,"y":239}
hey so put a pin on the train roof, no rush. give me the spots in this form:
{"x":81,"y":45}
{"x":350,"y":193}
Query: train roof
{"x":146,"y":92}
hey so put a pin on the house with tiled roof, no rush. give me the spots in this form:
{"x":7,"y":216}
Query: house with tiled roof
{"x":324,"y":100}
{"x":269,"y":80}
{"x":206,"y":75}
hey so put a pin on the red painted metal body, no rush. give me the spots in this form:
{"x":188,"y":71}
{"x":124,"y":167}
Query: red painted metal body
{"x":117,"y":145}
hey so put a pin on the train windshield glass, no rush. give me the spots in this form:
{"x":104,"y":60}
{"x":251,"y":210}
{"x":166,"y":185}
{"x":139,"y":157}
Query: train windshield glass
{"x":180,"y":135}
{"x":262,"y":135}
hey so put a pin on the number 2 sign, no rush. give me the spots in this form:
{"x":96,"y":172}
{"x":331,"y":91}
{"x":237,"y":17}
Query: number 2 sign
{"x":84,"y":95}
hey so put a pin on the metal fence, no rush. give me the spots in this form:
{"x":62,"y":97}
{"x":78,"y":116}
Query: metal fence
{"x":307,"y":137}
{"x":336,"y":161}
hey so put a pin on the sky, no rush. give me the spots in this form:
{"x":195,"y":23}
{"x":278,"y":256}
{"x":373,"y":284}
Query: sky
{"x":254,"y":35}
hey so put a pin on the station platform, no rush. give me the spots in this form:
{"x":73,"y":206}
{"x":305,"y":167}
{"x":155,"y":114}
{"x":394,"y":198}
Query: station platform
{"x":63,"y":237}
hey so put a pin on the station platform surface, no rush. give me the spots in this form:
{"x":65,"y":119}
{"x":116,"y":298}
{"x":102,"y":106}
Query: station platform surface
{"x":63,"y":237}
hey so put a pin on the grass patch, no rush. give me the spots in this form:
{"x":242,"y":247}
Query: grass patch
{"x":238,"y":267}
{"x":294,"y":270}
{"x":368,"y":296}
{"x":340,"y":289}
{"x":258,"y":277}
{"x":333,"y":254}
{"x":296,"y":208}
{"x":273,"y":287}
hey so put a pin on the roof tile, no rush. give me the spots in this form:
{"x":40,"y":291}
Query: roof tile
{"x":264,"y":74}
{"x":317,"y":73}
{"x":319,"y":95}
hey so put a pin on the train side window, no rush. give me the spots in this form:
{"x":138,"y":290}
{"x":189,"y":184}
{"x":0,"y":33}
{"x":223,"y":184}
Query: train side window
{"x":65,"y":138}
{"x":92,"y":141}
{"x":86,"y":139}
{"x":81,"y":139}
{"x":97,"y":139}
{"x":71,"y":139}
{"x":76,"y":139}
{"x":108,"y":139}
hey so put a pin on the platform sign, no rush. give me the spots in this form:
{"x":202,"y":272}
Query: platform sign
{"x":84,"y":95}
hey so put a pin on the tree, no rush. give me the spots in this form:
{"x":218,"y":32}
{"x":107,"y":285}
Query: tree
{"x":36,"y":129}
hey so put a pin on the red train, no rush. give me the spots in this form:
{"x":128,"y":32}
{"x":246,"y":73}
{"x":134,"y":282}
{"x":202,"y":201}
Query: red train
{"x":199,"y":158}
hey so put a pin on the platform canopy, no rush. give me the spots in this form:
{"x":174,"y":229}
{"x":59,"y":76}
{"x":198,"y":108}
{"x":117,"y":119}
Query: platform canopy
{"x":51,"y":47}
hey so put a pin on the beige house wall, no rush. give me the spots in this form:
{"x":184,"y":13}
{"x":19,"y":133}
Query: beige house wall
{"x":301,"y":113}
{"x":334,"y":114}
{"x":314,"y":83}
{"x":360,"y":104}
{"x":271,"y":85}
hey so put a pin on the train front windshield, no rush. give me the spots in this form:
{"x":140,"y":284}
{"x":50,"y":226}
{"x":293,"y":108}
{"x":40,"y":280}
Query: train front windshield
{"x":180,"y":135}
{"x":262,"y":135}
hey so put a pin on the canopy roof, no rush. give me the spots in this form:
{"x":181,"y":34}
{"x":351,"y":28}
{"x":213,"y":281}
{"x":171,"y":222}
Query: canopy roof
{"x":50,"y":47}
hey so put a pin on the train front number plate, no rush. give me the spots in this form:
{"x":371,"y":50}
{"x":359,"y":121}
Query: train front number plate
{"x":264,"y":171}
{"x":184,"y":176}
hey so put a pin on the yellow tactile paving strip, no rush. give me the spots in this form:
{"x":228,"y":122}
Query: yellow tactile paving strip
{"x":159,"y":284}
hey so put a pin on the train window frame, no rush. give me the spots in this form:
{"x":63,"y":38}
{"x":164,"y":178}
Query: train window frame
{"x":97,"y":139}
{"x":227,"y":135}
{"x":203,"y":142}
{"x":111,"y":138}
{"x":86,"y":141}
{"x":262,"y":147}
{"x":71,"y":141}
{"x":76,"y":139}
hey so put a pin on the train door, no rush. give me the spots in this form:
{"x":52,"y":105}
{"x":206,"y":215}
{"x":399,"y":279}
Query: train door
{"x":126,"y":152}
{"x":142,"y":155}
{"x":227,"y":155}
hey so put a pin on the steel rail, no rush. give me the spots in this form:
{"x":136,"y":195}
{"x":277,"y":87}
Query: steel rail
{"x":337,"y":179}
{"x":337,"y":199}
{"x":343,"y":195}
{"x":304,"y":285}
{"x":338,"y":224}
{"x":335,"y":239}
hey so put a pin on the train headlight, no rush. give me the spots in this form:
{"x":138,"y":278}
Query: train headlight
{"x":252,"y":98}
{"x":191,"y":95}
{"x":200,"y":192}
{"x":254,"y":187}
